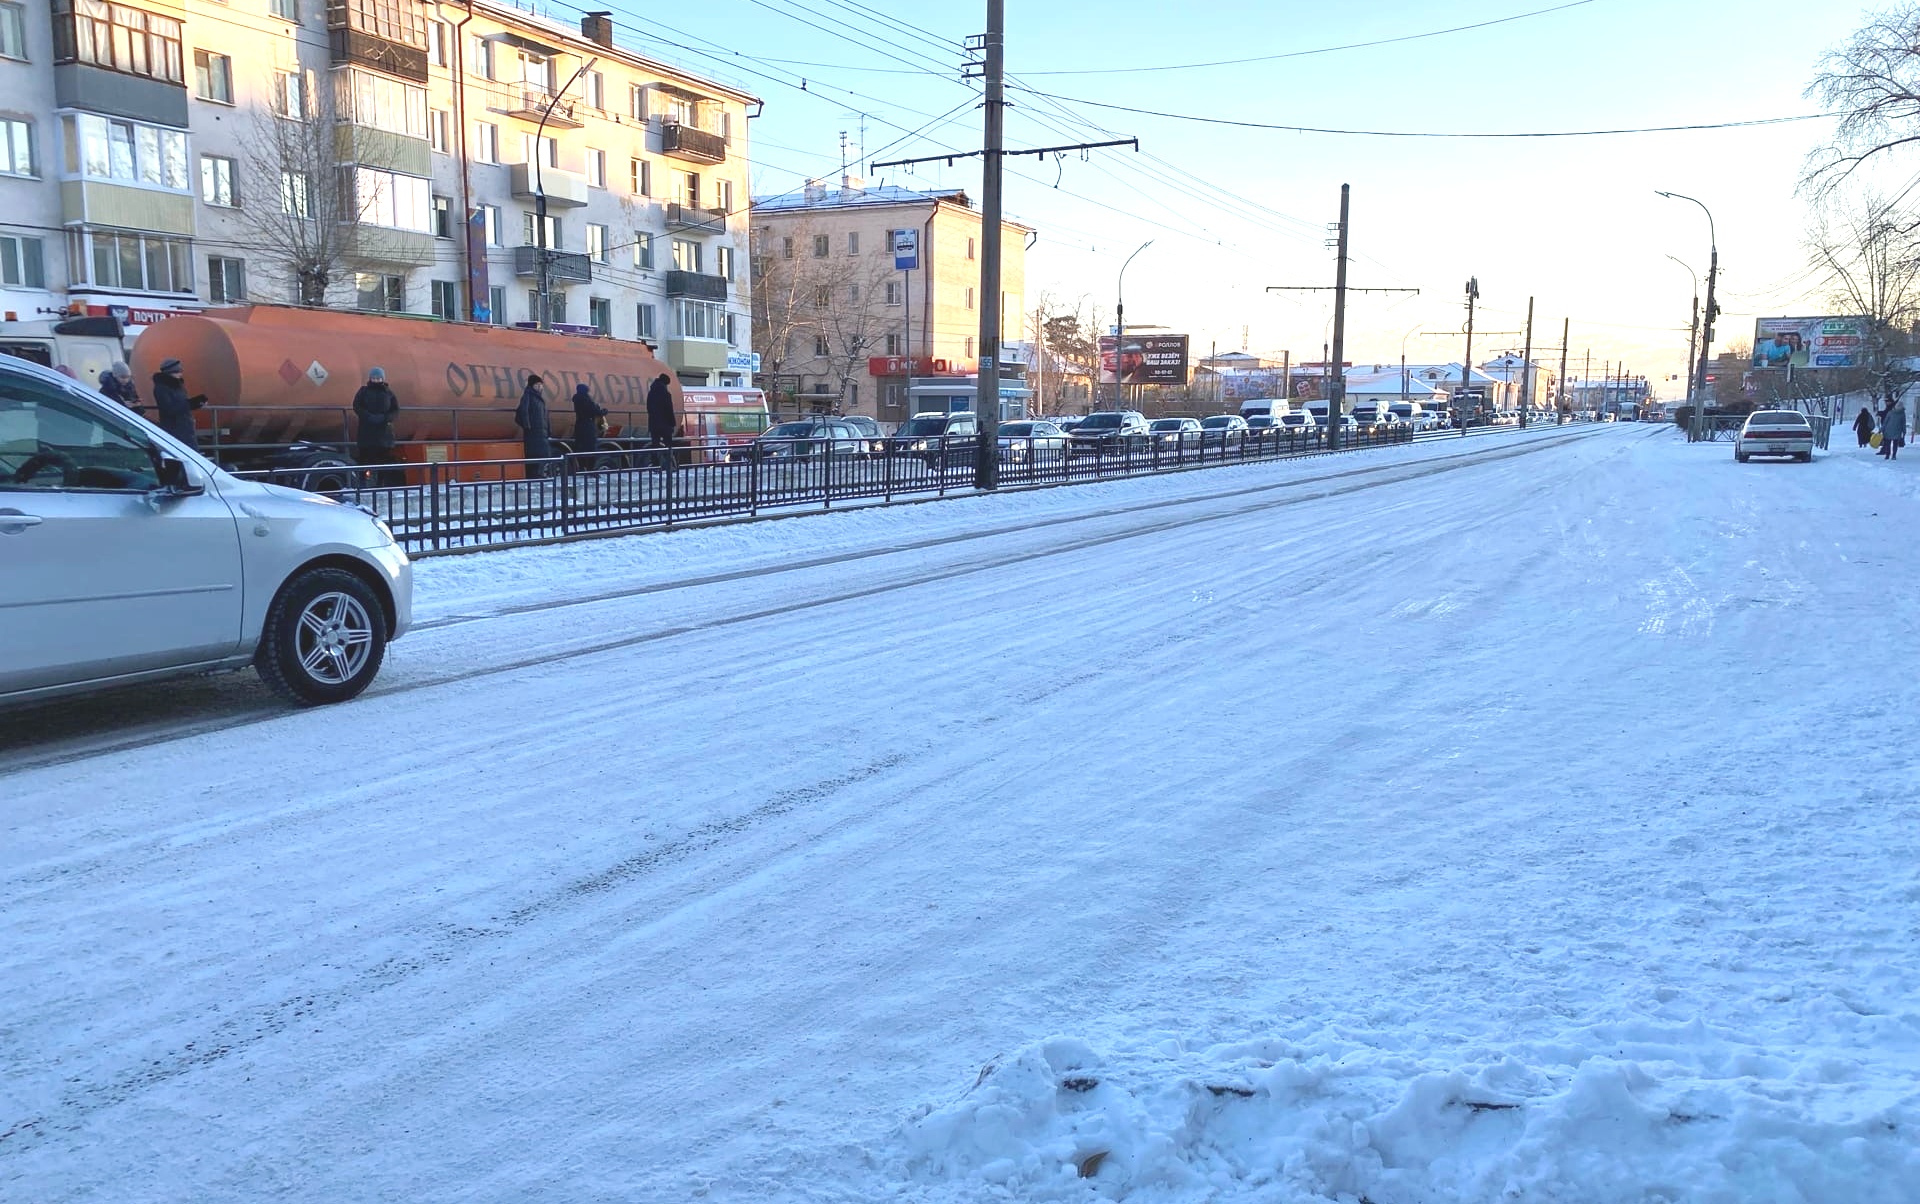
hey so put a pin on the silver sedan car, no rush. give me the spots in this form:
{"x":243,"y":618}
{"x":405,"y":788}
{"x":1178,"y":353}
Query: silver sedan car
{"x":129,"y":557}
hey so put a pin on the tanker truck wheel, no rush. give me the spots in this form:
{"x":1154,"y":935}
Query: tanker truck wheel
{"x":328,"y":473}
{"x":324,"y":638}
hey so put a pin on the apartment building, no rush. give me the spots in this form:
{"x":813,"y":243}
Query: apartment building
{"x":839,"y":327}
{"x":160,"y":156}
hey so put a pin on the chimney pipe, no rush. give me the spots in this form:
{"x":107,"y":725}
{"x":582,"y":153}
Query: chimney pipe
{"x":598,"y":28}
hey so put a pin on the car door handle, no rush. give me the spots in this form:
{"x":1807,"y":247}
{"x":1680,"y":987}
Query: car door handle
{"x":12,"y":522}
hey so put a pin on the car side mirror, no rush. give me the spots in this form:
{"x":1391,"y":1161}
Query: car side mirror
{"x":174,"y":481}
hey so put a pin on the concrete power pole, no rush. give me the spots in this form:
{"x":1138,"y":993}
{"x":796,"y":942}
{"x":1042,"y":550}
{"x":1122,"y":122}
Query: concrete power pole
{"x":1526,"y":368}
{"x":1564,"y":398}
{"x":1336,"y":378}
{"x":986,"y":465}
{"x":1466,"y":367}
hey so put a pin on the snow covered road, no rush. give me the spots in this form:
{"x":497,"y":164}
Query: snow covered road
{"x":1413,"y":826}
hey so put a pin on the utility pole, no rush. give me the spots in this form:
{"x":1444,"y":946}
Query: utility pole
{"x":1526,"y":368}
{"x":1586,"y":375}
{"x":1337,"y":380}
{"x":1466,"y":366}
{"x":1564,"y":398}
{"x":1120,"y":329}
{"x":986,"y":468}
{"x":543,"y":281}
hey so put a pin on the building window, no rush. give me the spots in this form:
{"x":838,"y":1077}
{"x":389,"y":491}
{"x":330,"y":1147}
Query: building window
{"x":111,"y":259}
{"x":446,"y":300}
{"x":734,"y":326}
{"x":296,"y":198}
{"x":439,"y":40}
{"x":226,"y":279}
{"x":893,"y":344}
{"x":969,"y":256}
{"x":556,"y":306}
{"x":497,"y":304}
{"x":969,"y":298}
{"x":643,"y":251}
{"x":853,"y":293}
{"x":388,"y":104}
{"x":786,"y":248}
{"x":853,"y":394}
{"x":536,"y":71}
{"x":23,"y":261}
{"x":894,"y":292}
{"x":596,"y":169}
{"x":216,"y":182}
{"x":486,"y":142}
{"x":290,"y":95}
{"x":129,"y":153}
{"x":723,"y":263}
{"x":387,"y":294}
{"x":440,"y":131}
{"x":596,"y":242}
{"x":537,"y":149}
{"x":213,"y":77}
{"x":530,"y":230}
{"x":853,"y":242}
{"x":822,"y":296}
{"x":490,"y":218}
{"x":389,"y":199}
{"x":637,"y":103}
{"x":686,"y":188}
{"x":820,"y":349}
{"x":896,"y":396}
{"x":821,"y":246}
{"x":699,"y":320}
{"x":969,"y":346}
{"x":686,"y":255}
{"x":642,"y":178}
{"x":596,"y":91}
{"x":443,"y":217}
{"x":399,"y":21}
{"x":118,"y":38}
{"x":17,"y":156}
{"x":480,"y":57}
{"x":643,"y":320}
{"x":723,"y":195}
{"x":600,"y":314}
{"x":13,"y":32}
{"x":286,"y":10}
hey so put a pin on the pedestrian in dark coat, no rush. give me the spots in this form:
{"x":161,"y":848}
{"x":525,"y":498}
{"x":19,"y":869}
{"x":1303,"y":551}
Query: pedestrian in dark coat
{"x":660,"y":420}
{"x":1893,"y":430}
{"x":116,"y":383}
{"x":174,"y":408}
{"x":536,"y":441}
{"x":376,"y":407}
{"x":586,"y":420}
{"x":1863,"y":426}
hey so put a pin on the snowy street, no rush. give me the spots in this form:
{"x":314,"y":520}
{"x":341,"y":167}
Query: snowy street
{"x":1532,"y":819}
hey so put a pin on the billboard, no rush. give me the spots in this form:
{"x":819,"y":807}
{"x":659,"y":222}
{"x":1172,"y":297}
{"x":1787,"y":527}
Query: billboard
{"x":1145,"y":359}
{"x":1810,"y":342}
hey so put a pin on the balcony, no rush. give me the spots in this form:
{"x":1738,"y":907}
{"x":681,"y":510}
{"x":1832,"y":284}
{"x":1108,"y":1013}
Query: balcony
{"x":365,"y":33}
{"x":693,"y":217}
{"x":695,"y":146}
{"x":529,"y":102}
{"x":697,"y":286}
{"x":566,"y":267}
{"x":564,"y":188}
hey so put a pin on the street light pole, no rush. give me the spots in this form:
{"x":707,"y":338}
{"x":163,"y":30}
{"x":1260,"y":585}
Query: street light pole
{"x":1120,"y":325}
{"x":1693,"y":327}
{"x":1466,"y":368}
{"x":1706,"y":330}
{"x":544,"y":279}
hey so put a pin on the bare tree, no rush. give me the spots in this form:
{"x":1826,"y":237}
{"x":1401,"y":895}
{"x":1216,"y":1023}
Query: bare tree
{"x":855,"y":323}
{"x":783,"y":286}
{"x":821,"y":316}
{"x":302,"y":225}
{"x":1071,"y":333}
{"x":1873,"y":85}
{"x":1867,"y":252}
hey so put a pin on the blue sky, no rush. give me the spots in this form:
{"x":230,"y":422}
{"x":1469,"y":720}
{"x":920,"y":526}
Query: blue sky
{"x":1573,"y":222}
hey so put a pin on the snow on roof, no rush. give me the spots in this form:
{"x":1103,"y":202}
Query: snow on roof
{"x":844,"y":198}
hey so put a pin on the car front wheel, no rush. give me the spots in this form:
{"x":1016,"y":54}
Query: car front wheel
{"x":324,"y":639}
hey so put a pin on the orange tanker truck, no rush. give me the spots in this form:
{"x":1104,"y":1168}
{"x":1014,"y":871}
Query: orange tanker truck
{"x":279,"y":383}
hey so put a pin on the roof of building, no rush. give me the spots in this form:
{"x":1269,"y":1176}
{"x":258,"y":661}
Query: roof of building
{"x":816,"y":195}
{"x":573,"y":41}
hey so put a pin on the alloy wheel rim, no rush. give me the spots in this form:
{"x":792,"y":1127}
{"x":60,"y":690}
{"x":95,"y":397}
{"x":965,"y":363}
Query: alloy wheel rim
{"x":334,"y":638}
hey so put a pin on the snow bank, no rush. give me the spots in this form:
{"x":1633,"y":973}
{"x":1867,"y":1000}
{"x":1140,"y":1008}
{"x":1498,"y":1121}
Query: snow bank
{"x":1643,"y":1111}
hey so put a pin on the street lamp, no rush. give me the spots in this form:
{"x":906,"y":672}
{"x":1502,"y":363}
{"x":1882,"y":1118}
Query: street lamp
{"x":1403,"y":358}
{"x":1706,"y":330}
{"x":545,"y":281}
{"x":1693,"y":326}
{"x":1120,"y":325}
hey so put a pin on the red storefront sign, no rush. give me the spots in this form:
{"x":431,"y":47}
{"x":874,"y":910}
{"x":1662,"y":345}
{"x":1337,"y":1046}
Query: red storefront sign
{"x":903,"y":365}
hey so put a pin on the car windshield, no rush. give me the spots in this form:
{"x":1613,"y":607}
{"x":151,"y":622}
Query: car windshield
{"x":1167,"y":424}
{"x":1100,"y":421}
{"x":1016,"y":428}
{"x":1217,"y":421}
{"x":1293,"y":419}
{"x":790,"y":430}
{"x":932,"y":424}
{"x":1260,"y":421}
{"x":1778,"y":418}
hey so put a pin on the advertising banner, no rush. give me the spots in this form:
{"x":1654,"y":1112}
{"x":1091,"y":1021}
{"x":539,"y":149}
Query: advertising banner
{"x":1144,"y":359}
{"x":1810,"y":342}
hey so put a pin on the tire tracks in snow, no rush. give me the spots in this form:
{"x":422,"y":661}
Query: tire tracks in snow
{"x":1339,"y":484}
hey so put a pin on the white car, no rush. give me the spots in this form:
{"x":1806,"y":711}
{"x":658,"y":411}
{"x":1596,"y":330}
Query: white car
{"x":1774,"y":433}
{"x":129,"y":557}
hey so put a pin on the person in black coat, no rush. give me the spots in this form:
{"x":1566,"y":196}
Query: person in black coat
{"x":536,"y":440}
{"x":1864,"y":425}
{"x":660,"y":419}
{"x":175,"y":408}
{"x":116,"y":383}
{"x":376,"y":407}
{"x":586,"y":420}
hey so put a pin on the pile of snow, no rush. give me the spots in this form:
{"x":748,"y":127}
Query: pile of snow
{"x":1638,"y":1111}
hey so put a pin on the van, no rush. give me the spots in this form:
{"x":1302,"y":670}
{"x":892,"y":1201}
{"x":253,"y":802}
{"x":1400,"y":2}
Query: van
{"x":1262,"y":406}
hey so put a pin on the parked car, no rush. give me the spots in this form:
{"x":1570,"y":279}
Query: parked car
{"x":1223,"y":430}
{"x":808,"y":439}
{"x":1174,"y":434}
{"x":1109,"y":432}
{"x":869,"y":431}
{"x":129,"y":557}
{"x":1768,"y":433}
{"x":1299,"y":423}
{"x":937,"y":438}
{"x":1030,"y":440}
